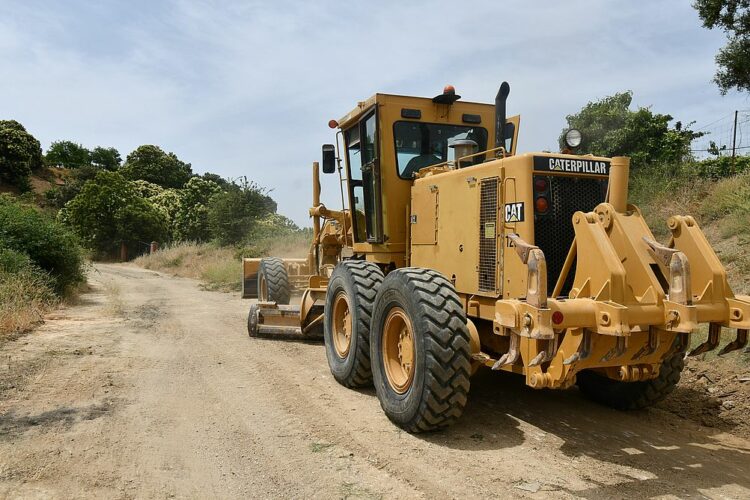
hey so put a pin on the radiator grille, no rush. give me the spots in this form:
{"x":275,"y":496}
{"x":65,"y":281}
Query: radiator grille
{"x":553,"y":231}
{"x":488,"y":235}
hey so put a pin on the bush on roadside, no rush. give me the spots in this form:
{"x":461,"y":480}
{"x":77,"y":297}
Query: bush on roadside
{"x":26,"y":292}
{"x":48,"y":245}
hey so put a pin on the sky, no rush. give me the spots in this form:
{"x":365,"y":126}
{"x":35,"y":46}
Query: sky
{"x":244,"y":88}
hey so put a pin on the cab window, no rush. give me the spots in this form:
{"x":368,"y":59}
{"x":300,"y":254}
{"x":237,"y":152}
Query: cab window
{"x":420,"y":145}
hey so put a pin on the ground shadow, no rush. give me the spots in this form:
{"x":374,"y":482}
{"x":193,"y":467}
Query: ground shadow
{"x":669,"y":448}
{"x":13,"y":425}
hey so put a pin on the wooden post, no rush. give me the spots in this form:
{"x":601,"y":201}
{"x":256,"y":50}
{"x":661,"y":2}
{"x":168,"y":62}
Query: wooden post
{"x":123,"y":252}
{"x":734,"y":143}
{"x":154,"y":247}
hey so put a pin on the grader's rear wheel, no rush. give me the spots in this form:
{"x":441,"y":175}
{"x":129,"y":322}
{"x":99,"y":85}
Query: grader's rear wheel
{"x":349,"y":299}
{"x":273,"y":281}
{"x":632,"y":395}
{"x":420,"y":350}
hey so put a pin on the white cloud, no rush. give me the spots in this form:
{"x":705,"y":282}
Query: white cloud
{"x":246,"y":88}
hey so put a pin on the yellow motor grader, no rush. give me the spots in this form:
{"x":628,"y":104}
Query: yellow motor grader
{"x":452,"y":251}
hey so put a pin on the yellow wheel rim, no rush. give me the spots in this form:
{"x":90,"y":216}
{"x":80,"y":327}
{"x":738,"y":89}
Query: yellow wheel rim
{"x":342,"y":325}
{"x":398,"y":350}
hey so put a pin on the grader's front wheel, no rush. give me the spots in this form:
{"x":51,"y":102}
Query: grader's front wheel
{"x":419,"y":344}
{"x":273,"y":281}
{"x":346,"y":326}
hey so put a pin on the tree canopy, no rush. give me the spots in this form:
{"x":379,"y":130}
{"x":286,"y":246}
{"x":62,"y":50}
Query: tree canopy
{"x":106,"y":158}
{"x":733,"y":17}
{"x":20,"y":154}
{"x":108,"y":210}
{"x":232,"y":212}
{"x":67,"y":154}
{"x":150,"y":163}
{"x":610,"y":128}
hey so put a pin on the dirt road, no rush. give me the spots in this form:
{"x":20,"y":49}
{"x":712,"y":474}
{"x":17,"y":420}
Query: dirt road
{"x":151,"y":388}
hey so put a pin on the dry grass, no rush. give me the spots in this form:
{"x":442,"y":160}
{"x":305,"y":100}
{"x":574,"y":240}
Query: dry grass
{"x":24,"y":300}
{"x":114,"y":298}
{"x":217,"y":267}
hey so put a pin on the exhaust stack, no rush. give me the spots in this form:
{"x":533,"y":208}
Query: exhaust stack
{"x":502,"y":96}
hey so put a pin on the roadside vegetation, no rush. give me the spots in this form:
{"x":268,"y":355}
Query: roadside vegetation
{"x":74,"y":202}
{"x":41,"y":263}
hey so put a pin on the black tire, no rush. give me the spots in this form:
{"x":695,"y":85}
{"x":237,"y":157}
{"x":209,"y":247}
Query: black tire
{"x":358,"y":281}
{"x":441,"y":366}
{"x":252,"y":321}
{"x":272,"y":272}
{"x":632,"y":395}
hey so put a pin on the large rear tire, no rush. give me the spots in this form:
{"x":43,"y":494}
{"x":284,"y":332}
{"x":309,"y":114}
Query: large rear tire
{"x":421,"y":358}
{"x":273,"y":281}
{"x":349,"y":300}
{"x":632,"y":395}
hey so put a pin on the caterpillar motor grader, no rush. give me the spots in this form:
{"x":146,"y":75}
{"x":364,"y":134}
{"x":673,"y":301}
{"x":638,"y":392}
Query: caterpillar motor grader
{"x":452,"y":251}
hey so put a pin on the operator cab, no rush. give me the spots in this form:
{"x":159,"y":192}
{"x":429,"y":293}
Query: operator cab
{"x":387,"y":140}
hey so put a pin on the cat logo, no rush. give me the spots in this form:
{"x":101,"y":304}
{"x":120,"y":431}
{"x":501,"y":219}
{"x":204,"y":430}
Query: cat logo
{"x":514,"y":212}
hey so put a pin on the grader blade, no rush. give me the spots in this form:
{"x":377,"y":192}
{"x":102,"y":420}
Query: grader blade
{"x":268,"y":319}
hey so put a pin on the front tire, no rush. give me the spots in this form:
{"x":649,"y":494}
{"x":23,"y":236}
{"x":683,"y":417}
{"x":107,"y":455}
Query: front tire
{"x":632,"y":395}
{"x":349,"y":300}
{"x":273,"y":281}
{"x":421,"y":357}
{"x":252,"y":320}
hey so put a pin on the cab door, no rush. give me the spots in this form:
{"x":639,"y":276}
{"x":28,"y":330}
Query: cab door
{"x":364,"y":179}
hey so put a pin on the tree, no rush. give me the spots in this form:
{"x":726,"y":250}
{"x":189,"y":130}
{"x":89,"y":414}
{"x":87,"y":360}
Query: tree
{"x":610,"y":128}
{"x":191,"y":219}
{"x":67,"y":154}
{"x":57,"y":197}
{"x":222,"y":182}
{"x":109,"y":209}
{"x":231,"y":213}
{"x":733,"y":17}
{"x":106,"y":158}
{"x":152,"y":164}
{"x":20,"y":154}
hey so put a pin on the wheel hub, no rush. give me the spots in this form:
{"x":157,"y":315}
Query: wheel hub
{"x":398,"y":350}
{"x":342,"y":325}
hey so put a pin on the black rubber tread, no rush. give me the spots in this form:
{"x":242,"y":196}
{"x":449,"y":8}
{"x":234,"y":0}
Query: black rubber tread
{"x":252,"y":321}
{"x":277,"y":280}
{"x":440,"y":387}
{"x":632,"y":395}
{"x":360,"y":280}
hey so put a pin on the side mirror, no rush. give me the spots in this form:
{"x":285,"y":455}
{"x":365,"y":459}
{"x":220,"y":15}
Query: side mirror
{"x":329,"y":158}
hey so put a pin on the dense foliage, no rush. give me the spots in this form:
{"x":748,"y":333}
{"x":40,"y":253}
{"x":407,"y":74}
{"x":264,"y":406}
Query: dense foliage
{"x":108,"y":210}
{"x":232,"y":212}
{"x":20,"y":154}
{"x":67,"y":154}
{"x":152,"y":164}
{"x":610,"y":128}
{"x":733,"y":17}
{"x":105,"y":158}
{"x":47,"y":244}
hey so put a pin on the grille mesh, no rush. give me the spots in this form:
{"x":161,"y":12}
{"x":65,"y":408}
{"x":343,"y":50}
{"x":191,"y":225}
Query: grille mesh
{"x":488,"y":235}
{"x":553,"y":231}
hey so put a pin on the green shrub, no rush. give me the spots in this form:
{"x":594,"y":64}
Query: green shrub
{"x":722,"y":166}
{"x":49,"y":245}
